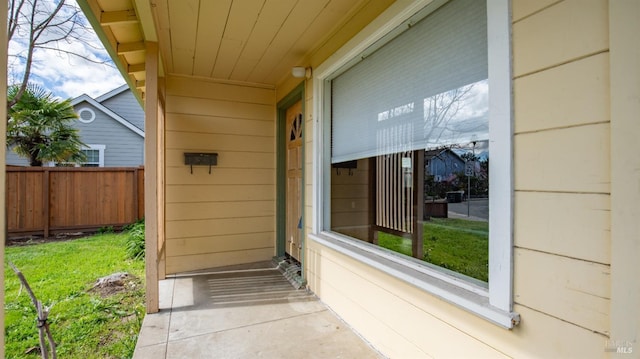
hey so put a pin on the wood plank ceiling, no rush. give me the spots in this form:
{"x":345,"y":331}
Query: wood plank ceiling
{"x":251,"y":41}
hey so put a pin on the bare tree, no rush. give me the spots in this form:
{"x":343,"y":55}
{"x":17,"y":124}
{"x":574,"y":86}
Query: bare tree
{"x":42,"y":316}
{"x":43,"y":25}
{"x":440,"y":109}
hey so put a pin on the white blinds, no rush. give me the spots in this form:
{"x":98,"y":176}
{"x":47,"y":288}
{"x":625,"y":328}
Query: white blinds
{"x":426,"y":88}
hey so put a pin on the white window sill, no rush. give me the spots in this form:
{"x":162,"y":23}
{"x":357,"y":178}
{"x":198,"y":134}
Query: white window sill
{"x":469,"y":296}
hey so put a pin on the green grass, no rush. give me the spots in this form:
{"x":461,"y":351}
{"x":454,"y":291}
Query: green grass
{"x":83,"y":324}
{"x":456,"y":244}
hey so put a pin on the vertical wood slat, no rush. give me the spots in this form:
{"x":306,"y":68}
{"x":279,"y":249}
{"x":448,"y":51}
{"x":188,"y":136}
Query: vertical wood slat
{"x":395,"y":192}
{"x":134,"y":193}
{"x":140,"y":193}
{"x":402,"y":192}
{"x":372,"y":180}
{"x":418,"y":204}
{"x":397,"y":197}
{"x":46,"y":196}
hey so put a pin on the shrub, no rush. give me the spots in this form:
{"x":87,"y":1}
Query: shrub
{"x":106,"y":230}
{"x":135,"y":240}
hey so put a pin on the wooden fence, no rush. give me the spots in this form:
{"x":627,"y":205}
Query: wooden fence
{"x":46,"y":200}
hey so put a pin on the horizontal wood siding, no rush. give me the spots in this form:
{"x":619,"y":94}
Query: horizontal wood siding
{"x":226,"y":217}
{"x":41,"y":200}
{"x":562,"y":165}
{"x":14,"y":160}
{"x":562,"y":254}
{"x":126,"y":105}
{"x":403,"y":321}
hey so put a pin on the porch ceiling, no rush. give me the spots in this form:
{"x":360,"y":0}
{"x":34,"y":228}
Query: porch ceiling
{"x":252,"y":41}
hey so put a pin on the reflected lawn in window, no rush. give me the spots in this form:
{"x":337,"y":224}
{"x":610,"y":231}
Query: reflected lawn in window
{"x":456,"y":244}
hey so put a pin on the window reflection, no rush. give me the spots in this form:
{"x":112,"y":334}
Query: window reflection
{"x":425,"y":194}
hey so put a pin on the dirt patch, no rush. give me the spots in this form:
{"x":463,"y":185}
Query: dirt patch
{"x":115,"y":283}
{"x":59,"y":237}
{"x":28,"y":240}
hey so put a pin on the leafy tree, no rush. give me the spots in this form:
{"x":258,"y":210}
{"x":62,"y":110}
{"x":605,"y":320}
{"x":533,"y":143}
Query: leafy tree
{"x":39,"y":127}
{"x":469,"y":156}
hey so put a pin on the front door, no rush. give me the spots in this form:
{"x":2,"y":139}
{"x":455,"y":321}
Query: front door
{"x":293,"y":138}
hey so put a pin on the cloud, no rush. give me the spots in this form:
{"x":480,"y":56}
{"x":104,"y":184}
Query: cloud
{"x":67,"y":76}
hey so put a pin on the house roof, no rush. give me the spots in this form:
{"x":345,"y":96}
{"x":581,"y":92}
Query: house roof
{"x":112,"y":93}
{"x":248,"y":41}
{"x":108,"y":112}
{"x":429,"y":154}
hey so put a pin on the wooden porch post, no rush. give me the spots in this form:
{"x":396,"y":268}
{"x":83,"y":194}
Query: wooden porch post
{"x":151,"y":176}
{"x":161,"y":179}
{"x":3,"y":172}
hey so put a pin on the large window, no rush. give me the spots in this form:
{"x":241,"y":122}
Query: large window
{"x":421,"y":97}
{"x":408,"y":125}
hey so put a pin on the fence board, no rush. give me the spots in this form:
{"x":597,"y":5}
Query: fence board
{"x":44,"y":200}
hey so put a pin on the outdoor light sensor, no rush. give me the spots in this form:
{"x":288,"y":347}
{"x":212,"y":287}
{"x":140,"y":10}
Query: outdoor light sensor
{"x":300,"y":72}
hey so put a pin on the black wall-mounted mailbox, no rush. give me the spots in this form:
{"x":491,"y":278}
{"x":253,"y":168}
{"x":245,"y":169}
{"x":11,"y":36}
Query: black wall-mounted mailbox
{"x":200,"y":159}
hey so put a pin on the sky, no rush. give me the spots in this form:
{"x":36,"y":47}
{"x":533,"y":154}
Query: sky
{"x":67,"y":76}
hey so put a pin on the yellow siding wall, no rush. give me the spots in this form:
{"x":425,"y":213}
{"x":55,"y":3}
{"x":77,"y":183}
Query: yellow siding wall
{"x":562,"y":153}
{"x":226,"y":217}
{"x":562,"y":212}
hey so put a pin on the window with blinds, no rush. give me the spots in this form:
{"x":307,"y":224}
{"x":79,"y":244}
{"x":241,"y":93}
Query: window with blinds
{"x":426,"y":88}
{"x":410,"y":121}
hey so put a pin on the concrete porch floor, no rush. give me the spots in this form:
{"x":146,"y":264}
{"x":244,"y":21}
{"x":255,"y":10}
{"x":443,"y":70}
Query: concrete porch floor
{"x":244,"y":312}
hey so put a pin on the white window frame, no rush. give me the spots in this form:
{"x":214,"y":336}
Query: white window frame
{"x":101,"y":149}
{"x":494,"y":303}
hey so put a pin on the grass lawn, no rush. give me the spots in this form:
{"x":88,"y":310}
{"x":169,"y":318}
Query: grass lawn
{"x":84,"y":324}
{"x":456,"y":244}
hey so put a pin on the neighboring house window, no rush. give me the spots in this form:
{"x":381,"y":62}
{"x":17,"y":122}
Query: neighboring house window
{"x":94,"y":154}
{"x":93,"y":158}
{"x":422,"y":96}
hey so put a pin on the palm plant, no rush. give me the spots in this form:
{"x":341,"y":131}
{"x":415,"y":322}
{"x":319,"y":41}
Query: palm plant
{"x":39,"y":127}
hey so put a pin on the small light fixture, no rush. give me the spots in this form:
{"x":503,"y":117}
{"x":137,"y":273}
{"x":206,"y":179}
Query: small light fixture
{"x":300,"y":72}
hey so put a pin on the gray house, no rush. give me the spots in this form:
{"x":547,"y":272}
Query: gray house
{"x":112,"y":127}
{"x":442,"y":164}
